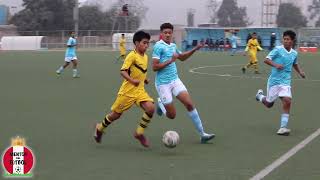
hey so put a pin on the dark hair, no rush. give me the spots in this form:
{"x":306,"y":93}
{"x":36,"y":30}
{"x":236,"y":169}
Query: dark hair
{"x":166,"y":26}
{"x":290,"y":33}
{"x":122,"y":34}
{"x":139,"y":35}
{"x":254,"y":33}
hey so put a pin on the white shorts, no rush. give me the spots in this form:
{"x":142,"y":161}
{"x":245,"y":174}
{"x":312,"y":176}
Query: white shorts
{"x":69,"y":59}
{"x":276,"y":91}
{"x":165,"y":91}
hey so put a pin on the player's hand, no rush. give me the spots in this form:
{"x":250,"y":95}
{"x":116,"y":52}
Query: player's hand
{"x":303,"y":75}
{"x":146,"y":81}
{"x":279,"y":66}
{"x":135,"y":82}
{"x":174,"y":57}
{"x":199,"y":46}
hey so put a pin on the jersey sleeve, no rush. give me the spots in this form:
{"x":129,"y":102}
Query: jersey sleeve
{"x":178,"y":51}
{"x":295,"y":59}
{"x":157,"y":50}
{"x":69,"y":43}
{"x":128,"y":62}
{"x":248,"y":44}
{"x":273,"y":54}
{"x":258,"y":46}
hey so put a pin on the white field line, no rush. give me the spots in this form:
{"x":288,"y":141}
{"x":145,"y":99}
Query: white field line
{"x":285,"y":157}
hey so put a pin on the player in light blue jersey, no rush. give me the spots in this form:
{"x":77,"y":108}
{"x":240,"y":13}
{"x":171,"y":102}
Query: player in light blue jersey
{"x":281,"y":59}
{"x":167,"y":80}
{"x":70,"y":56}
{"x":234,"y":43}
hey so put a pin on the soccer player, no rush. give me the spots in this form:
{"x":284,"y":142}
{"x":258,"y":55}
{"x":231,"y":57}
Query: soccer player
{"x":233,"y":40}
{"x":252,"y":47}
{"x":122,"y":47}
{"x":281,"y":59}
{"x":134,"y":72}
{"x":167,"y":80}
{"x":70,"y":56}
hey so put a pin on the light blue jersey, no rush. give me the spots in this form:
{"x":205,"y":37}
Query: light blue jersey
{"x":164,"y":52}
{"x":280,"y":55}
{"x":71,"y":51}
{"x":233,"y":40}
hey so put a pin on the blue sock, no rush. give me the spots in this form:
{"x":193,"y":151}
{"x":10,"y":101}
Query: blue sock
{"x":284,"y":120}
{"x":196,"y":121}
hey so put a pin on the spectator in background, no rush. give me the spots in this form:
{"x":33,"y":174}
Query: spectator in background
{"x":234,"y":42}
{"x":217,"y":45}
{"x":125,"y":10}
{"x":272,"y":41}
{"x":221,"y":44}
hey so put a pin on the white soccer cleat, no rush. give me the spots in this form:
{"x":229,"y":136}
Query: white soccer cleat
{"x":159,"y":111}
{"x":259,"y":93}
{"x":283,"y":132}
{"x":206,"y":137}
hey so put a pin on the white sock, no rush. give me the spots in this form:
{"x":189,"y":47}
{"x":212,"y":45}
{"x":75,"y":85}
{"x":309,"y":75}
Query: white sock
{"x":163,"y":109}
{"x":194,"y":115}
{"x":60,"y":69}
{"x":75,"y":72}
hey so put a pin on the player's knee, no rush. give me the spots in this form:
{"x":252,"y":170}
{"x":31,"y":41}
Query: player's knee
{"x":269,"y":105}
{"x":287,"y":102}
{"x":189,"y":106}
{"x":171,"y":115}
{"x":150,"y":111}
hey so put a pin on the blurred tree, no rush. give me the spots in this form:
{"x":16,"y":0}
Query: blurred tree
{"x":45,"y":15}
{"x":212,"y":8}
{"x":290,"y":16}
{"x":230,"y":15}
{"x":314,"y":10}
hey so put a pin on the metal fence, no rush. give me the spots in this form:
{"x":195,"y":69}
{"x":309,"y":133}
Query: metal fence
{"x":102,"y":39}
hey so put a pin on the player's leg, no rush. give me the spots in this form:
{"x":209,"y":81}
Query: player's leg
{"x":100,"y":127}
{"x":121,"y":104}
{"x":165,"y":101}
{"x":233,"y":51}
{"x":268,"y":100}
{"x":184,"y":97}
{"x":255,"y":63}
{"x":75,"y":70}
{"x":244,"y":68}
{"x":148,"y":108}
{"x":285,"y":96}
{"x":61,"y":68}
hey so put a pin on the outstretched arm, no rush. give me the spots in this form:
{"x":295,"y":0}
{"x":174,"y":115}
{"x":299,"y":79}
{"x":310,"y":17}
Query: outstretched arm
{"x":185,"y":55}
{"x":299,"y":71}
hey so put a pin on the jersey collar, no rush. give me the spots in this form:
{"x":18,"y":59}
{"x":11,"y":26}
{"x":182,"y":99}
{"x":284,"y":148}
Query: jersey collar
{"x":287,"y":50}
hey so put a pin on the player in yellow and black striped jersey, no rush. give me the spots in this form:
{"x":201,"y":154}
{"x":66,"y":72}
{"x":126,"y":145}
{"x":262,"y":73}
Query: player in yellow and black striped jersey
{"x":252,"y":48}
{"x":122,"y":48}
{"x":134,"y":72}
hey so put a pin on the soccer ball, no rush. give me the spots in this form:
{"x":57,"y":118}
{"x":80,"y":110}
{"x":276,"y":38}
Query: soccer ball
{"x":170,"y":139}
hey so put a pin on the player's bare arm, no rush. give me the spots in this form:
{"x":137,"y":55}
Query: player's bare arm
{"x":185,"y":55}
{"x":271,"y":63}
{"x":299,"y":70}
{"x":126,"y":76}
